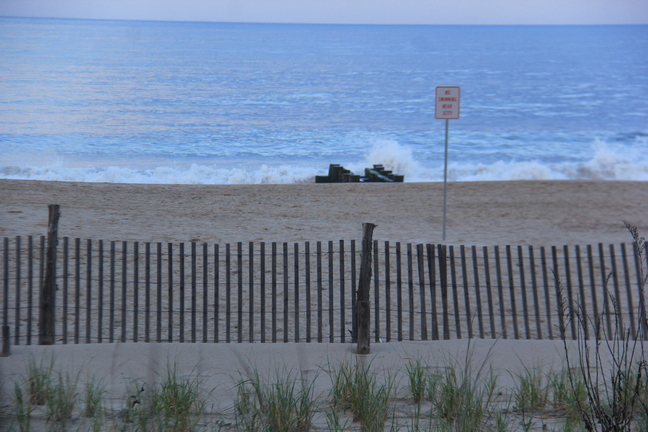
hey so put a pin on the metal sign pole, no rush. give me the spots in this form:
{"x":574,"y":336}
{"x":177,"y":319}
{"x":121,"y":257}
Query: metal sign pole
{"x":445,"y":178}
{"x":446,"y":107}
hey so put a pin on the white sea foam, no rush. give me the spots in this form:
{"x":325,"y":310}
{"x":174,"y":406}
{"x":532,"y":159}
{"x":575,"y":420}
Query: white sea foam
{"x":606,"y":163}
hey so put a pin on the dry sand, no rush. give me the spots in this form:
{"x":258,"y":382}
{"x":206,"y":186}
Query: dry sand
{"x":539,"y":213}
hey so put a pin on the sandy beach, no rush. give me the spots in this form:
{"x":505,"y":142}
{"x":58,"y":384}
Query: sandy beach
{"x":539,"y":213}
{"x":481,"y":213}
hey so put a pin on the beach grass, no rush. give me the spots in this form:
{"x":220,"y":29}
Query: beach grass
{"x":456,"y":397}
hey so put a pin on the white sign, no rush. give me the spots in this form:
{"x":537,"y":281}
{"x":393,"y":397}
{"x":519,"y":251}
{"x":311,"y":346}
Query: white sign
{"x":447,"y":102}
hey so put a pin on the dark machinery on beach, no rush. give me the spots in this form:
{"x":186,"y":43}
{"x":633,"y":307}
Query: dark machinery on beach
{"x":338,"y":174}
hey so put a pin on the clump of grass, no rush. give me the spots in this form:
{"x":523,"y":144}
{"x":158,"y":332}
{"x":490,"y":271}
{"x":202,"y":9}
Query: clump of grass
{"x":248,"y":404}
{"x":23,"y":409}
{"x":334,"y":423}
{"x":531,"y":392}
{"x":418,"y":379}
{"x":277,"y":405}
{"x":460,"y":401}
{"x":177,"y":402}
{"x":62,"y":400}
{"x":356,"y":388}
{"x":93,"y":402}
{"x":39,"y":380}
{"x":93,"y":398}
{"x":567,"y":395}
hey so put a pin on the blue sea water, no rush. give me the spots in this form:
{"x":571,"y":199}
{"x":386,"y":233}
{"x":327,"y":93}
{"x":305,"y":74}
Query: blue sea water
{"x":173,"y":102}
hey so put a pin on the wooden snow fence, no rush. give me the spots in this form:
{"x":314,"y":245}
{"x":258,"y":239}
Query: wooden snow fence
{"x":121,"y":291}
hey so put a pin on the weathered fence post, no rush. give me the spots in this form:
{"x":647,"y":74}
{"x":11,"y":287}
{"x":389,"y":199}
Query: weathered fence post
{"x":6,"y":350}
{"x":363,"y":319}
{"x":48,"y":290}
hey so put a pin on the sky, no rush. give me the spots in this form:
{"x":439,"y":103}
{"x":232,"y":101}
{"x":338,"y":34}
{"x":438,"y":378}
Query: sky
{"x":342,"y":11}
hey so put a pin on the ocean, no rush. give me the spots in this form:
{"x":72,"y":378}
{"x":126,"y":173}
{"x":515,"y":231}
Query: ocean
{"x":226,"y":103}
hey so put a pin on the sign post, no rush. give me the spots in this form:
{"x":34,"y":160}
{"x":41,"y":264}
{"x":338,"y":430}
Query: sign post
{"x":447,"y":107}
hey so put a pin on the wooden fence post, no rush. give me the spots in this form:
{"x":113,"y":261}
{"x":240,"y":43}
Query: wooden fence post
{"x":48,"y":290}
{"x":6,"y":350}
{"x":364,"y":313}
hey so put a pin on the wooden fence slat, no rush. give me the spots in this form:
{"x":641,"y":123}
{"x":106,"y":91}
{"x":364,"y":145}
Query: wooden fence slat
{"x":489,"y":294}
{"x":500,"y":291}
{"x":100,"y":294}
{"x":319,"y":293}
{"x":111,"y":324}
{"x":286,"y":297}
{"x":251,"y":291}
{"x":455,"y":295}
{"x":124,"y":277}
{"x":147,"y":292}
{"x":77,"y":290}
{"x":443,"y":280}
{"x":65,"y":290}
{"x":239,"y":297}
{"x":607,"y":311}
{"x":388,"y":304}
{"x":464,"y":278}
{"x":626,"y":277}
{"x":376,"y":280}
{"x":216,"y":293}
{"x":525,"y":304}
{"x":480,"y":318}
{"x":41,"y":270}
{"x":18,"y":304}
{"x":410,"y":286}
{"x":618,"y":317}
{"x":639,"y":272}
{"x":296,"y":285}
{"x":354,"y":299}
{"x":399,"y":291}
{"x":135,"y":291}
{"x":570,"y":294}
{"x":431,"y":258}
{"x":5,"y":302}
{"x":194,"y":289}
{"x":545,"y":282}
{"x":342,"y":294}
{"x":559,"y":294}
{"x":88,"y":290}
{"x":534,"y":287}
{"x":330,"y":292}
{"x":307,"y":288}
{"x":228,"y":293}
{"x":274,"y":292}
{"x":262,"y":288}
{"x":158,"y":324}
{"x":643,"y":283}
{"x":205,"y":293}
{"x":582,"y":303}
{"x":509,"y":265}
{"x":181,"y":293}
{"x":30,"y":287}
{"x":170,"y":291}
{"x":590,"y":265}
{"x":420,"y":258}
